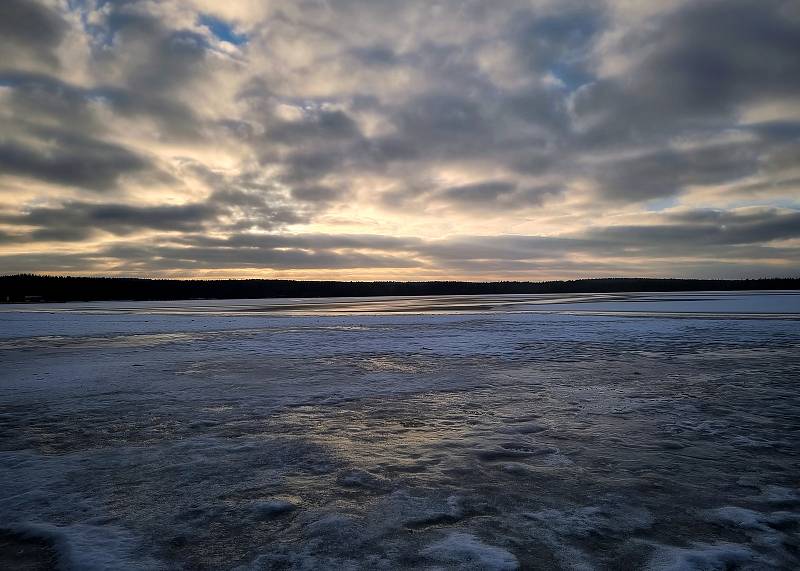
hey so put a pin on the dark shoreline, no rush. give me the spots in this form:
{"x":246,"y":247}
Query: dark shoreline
{"x":38,"y":288}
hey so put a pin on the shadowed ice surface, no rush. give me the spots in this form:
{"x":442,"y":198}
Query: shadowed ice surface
{"x":614,"y":431}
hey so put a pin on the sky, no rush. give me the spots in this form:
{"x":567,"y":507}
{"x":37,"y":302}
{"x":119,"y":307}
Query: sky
{"x":413,"y":140}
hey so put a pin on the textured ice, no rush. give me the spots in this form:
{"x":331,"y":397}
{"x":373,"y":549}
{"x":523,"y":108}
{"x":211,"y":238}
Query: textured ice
{"x":91,"y":546}
{"x":271,"y":508}
{"x":544,"y":433}
{"x":466,"y":550}
{"x":701,"y":557}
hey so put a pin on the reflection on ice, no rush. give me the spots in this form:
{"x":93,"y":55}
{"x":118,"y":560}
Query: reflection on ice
{"x":708,"y":303}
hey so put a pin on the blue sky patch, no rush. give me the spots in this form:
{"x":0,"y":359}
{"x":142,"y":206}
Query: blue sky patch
{"x":223,"y":30}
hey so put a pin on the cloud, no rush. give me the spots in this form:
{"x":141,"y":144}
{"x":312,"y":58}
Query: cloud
{"x":757,"y":235}
{"x":153,"y":258}
{"x":495,"y":195}
{"x":40,"y":98}
{"x":317,"y":193}
{"x":411,"y":139}
{"x":666,"y":172}
{"x":78,"y":219}
{"x":692,"y":68}
{"x":70,"y":160}
{"x":708,"y":228}
{"x":30,"y":33}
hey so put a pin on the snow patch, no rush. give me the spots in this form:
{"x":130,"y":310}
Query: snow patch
{"x":362,"y":479}
{"x":82,"y":547}
{"x":268,"y":509}
{"x":466,"y":549}
{"x":583,"y":521}
{"x":700,"y":557}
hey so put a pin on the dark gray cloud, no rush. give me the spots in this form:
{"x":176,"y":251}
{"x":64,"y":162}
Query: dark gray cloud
{"x":70,"y":159}
{"x":309,"y":241}
{"x":376,"y":55}
{"x":720,"y":234}
{"x":30,"y":31}
{"x":496,"y":195}
{"x":57,"y":132}
{"x":713,"y":54}
{"x":317,"y":126}
{"x":228,"y":209}
{"x":481,"y":193}
{"x":699,"y":63}
{"x":156,"y":57}
{"x":35,"y":97}
{"x":706,"y":228}
{"x":50,"y":262}
{"x":201,"y":258}
{"x":559,"y":43}
{"x":79,"y":220}
{"x":317,"y":193}
{"x":666,"y":172}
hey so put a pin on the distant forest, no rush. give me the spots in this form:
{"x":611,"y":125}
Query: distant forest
{"x":35,"y":288}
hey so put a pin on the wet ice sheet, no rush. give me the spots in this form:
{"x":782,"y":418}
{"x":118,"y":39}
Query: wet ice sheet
{"x":767,"y":303}
{"x":493,"y":440}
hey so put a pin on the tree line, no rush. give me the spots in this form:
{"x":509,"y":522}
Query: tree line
{"x":41,"y":288}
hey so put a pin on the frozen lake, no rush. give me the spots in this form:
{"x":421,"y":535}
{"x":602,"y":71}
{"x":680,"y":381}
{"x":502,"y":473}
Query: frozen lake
{"x":593,"y":431}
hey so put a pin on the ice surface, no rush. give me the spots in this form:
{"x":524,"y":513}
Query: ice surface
{"x":271,"y":508}
{"x":701,"y":557}
{"x":90,"y":547}
{"x":466,"y":550}
{"x":582,"y":432}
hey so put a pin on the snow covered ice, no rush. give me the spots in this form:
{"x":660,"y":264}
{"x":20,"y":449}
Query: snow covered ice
{"x":629,"y":431}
